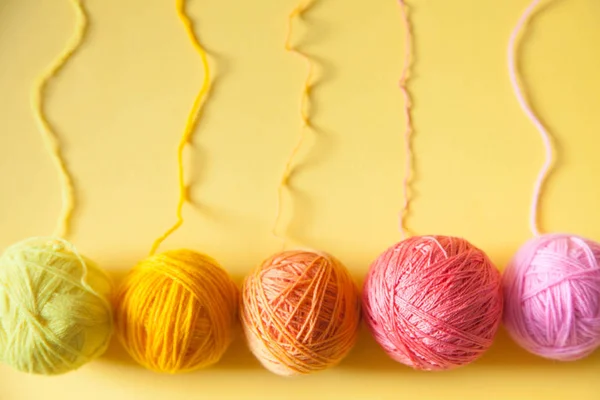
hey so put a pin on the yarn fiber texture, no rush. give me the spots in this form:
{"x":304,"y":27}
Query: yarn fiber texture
{"x":300,"y":312}
{"x":433,"y":302}
{"x":55,"y":311}
{"x":552,"y":305}
{"x":176,"y":310}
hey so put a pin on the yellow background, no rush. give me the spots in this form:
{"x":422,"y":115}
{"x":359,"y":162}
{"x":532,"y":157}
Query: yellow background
{"x":120,"y":105}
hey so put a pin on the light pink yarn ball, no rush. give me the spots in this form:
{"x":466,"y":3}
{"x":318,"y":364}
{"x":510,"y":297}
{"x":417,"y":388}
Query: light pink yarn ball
{"x":552,"y":297}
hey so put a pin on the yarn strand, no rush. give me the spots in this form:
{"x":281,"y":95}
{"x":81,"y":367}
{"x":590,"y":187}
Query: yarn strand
{"x":51,"y":140}
{"x":523,"y":102}
{"x":304,"y":113}
{"x":408,"y":128}
{"x":191,"y":122}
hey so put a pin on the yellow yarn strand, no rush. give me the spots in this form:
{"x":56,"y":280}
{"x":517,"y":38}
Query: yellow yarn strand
{"x":50,"y":137}
{"x":191,"y":121}
{"x":304,"y":113}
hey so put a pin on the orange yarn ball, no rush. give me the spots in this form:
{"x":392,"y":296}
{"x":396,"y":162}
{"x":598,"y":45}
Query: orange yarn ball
{"x":175,"y":311}
{"x":300,"y":312}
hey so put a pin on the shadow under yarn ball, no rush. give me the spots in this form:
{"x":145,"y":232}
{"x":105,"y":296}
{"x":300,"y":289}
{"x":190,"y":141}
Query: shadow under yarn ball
{"x":300,"y":312}
{"x":55,"y":313}
{"x":552,"y":288}
{"x":433,"y":302}
{"x":175,"y":311}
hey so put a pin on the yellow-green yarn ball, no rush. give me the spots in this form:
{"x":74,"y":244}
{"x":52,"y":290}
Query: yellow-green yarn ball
{"x":55,"y":311}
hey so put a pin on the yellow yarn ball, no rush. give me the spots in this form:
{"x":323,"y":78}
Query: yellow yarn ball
{"x":55,"y":313}
{"x":176,"y":311}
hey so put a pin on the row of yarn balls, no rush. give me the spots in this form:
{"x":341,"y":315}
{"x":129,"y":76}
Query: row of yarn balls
{"x":431,"y":302}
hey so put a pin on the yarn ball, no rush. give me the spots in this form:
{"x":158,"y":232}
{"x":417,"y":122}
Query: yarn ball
{"x":300,"y":312}
{"x":433,"y":302}
{"x":176,"y":311}
{"x":55,"y":312}
{"x":552,"y":304}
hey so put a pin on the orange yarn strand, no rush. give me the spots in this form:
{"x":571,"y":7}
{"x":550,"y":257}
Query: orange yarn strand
{"x":304,"y":112}
{"x":50,"y":137}
{"x":191,"y":120}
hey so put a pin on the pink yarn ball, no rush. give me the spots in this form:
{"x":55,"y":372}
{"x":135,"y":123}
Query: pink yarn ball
{"x":433,"y":302}
{"x":552,"y":303}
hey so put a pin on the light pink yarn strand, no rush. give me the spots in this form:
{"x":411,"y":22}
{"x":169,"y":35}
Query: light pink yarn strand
{"x":552,"y":285}
{"x":515,"y":82}
{"x":408,"y":129}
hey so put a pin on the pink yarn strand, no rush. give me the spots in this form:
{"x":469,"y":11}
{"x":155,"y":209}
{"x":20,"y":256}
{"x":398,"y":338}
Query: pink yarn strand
{"x":408,"y":129}
{"x":515,"y":82}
